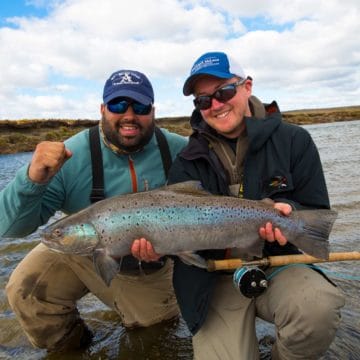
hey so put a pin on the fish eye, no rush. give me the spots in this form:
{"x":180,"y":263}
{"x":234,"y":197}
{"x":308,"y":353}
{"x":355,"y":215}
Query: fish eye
{"x":57,"y":232}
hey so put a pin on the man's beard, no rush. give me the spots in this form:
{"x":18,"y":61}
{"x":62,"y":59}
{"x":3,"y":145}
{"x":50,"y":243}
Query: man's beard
{"x":124,"y":144}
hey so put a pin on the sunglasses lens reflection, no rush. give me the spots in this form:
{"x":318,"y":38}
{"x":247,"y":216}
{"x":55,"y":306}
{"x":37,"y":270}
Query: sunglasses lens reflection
{"x":223,"y":94}
{"x":121,"y":106}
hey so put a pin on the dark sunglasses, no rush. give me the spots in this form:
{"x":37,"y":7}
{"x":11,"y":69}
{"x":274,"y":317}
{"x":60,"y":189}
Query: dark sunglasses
{"x":120,"y":106}
{"x":222,"y":94}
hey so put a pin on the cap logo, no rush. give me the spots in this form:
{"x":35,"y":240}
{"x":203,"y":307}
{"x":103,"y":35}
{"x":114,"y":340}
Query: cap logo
{"x":210,"y":61}
{"x":126,"y":77}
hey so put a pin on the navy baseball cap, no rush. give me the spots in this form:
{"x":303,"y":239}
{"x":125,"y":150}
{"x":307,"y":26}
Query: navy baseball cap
{"x":216,"y":64}
{"x":129,"y":83}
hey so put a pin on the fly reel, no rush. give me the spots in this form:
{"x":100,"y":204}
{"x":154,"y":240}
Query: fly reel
{"x":250,"y":281}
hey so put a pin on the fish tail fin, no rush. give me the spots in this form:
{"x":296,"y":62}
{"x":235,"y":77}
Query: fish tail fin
{"x":317,"y":225}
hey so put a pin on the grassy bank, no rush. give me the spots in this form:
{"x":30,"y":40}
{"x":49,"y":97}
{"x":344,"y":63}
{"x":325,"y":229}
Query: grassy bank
{"x":23,"y":135}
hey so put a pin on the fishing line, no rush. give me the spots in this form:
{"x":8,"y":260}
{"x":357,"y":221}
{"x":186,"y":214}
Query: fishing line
{"x":327,"y":272}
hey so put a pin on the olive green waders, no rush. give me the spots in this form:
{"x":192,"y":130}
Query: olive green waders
{"x":45,"y":286}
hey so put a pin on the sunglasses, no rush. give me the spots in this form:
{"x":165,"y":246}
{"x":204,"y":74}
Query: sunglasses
{"x":120,"y":106}
{"x":222,"y":94}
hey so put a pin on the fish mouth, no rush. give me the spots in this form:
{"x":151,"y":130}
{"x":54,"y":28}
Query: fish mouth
{"x":63,"y":247}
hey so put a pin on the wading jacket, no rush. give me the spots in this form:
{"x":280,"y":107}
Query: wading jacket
{"x":281,"y":163}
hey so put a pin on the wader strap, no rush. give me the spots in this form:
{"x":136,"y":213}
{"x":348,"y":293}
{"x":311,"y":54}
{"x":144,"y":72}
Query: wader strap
{"x":164,"y":150}
{"x":232,"y":161}
{"x":97,"y":192}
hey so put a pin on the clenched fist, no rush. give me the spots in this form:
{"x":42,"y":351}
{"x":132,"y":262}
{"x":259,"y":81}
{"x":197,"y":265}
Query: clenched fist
{"x":47,"y":160}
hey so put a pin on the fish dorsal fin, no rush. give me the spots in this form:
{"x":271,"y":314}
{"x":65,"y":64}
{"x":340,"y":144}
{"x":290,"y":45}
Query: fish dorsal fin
{"x":191,"y":187}
{"x":268,"y":201}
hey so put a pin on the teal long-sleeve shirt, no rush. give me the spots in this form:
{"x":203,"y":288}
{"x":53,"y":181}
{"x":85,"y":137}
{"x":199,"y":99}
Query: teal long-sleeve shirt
{"x":25,"y":205}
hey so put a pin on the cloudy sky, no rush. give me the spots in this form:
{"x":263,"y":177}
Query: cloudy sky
{"x":56,"y":54}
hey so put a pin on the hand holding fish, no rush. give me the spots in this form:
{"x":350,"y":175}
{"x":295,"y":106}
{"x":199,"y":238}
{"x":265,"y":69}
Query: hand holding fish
{"x":268,"y":233}
{"x":143,"y":250}
{"x":48,"y":158}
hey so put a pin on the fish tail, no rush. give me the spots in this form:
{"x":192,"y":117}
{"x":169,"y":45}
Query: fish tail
{"x":316,"y":226}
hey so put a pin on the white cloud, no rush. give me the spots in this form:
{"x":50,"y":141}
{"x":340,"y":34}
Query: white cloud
{"x":293,"y":49}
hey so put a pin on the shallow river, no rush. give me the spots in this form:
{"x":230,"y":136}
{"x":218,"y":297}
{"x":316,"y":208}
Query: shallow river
{"x":339,"y":146}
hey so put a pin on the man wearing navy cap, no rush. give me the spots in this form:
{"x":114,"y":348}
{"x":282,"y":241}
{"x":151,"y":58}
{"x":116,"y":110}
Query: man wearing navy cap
{"x":44,"y":288}
{"x":241,"y":147}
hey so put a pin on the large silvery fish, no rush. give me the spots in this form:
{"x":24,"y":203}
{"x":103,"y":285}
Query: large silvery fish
{"x":180,"y":219}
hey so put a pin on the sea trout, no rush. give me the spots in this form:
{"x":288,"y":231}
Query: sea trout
{"x":179,"y":220}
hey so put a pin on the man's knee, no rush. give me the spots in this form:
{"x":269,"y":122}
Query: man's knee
{"x":312,"y":321}
{"x":44,"y":327}
{"x":17,"y":296}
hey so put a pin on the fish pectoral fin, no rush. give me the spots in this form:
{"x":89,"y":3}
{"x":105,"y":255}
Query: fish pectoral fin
{"x":191,"y":258}
{"x":105,"y":265}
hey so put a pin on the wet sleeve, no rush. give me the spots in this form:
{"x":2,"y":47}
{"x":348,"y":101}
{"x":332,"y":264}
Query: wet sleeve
{"x":24,"y":205}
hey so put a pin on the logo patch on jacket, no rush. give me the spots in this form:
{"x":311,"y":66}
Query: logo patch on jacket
{"x":275,"y":183}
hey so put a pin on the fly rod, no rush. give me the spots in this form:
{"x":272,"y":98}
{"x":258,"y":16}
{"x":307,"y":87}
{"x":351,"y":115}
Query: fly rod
{"x":231,"y":264}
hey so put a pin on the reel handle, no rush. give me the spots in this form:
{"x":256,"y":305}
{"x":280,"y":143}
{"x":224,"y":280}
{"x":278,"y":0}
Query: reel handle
{"x":250,"y":281}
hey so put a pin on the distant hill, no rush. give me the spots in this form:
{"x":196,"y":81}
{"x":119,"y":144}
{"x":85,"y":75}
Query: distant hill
{"x":23,"y":135}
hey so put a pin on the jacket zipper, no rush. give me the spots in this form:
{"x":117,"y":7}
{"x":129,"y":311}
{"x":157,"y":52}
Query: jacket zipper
{"x":133,"y":175}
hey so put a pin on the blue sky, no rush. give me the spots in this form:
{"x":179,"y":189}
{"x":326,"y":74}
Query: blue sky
{"x":56,"y":55}
{"x":18,"y":8}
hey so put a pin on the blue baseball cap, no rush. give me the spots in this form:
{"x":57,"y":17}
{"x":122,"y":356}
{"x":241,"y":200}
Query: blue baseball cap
{"x":129,"y":83}
{"x":216,"y":64}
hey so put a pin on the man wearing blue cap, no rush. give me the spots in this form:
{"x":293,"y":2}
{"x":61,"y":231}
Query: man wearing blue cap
{"x":241,"y":147}
{"x":45,"y":286}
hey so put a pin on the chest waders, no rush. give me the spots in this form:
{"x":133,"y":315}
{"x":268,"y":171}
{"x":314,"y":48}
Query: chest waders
{"x":97,"y":192}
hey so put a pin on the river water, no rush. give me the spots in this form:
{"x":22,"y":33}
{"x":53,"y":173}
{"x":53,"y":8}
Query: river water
{"x":339,"y":147}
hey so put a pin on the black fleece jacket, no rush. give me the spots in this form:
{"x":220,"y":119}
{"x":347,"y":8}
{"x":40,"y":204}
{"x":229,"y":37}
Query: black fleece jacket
{"x":282,"y":163}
